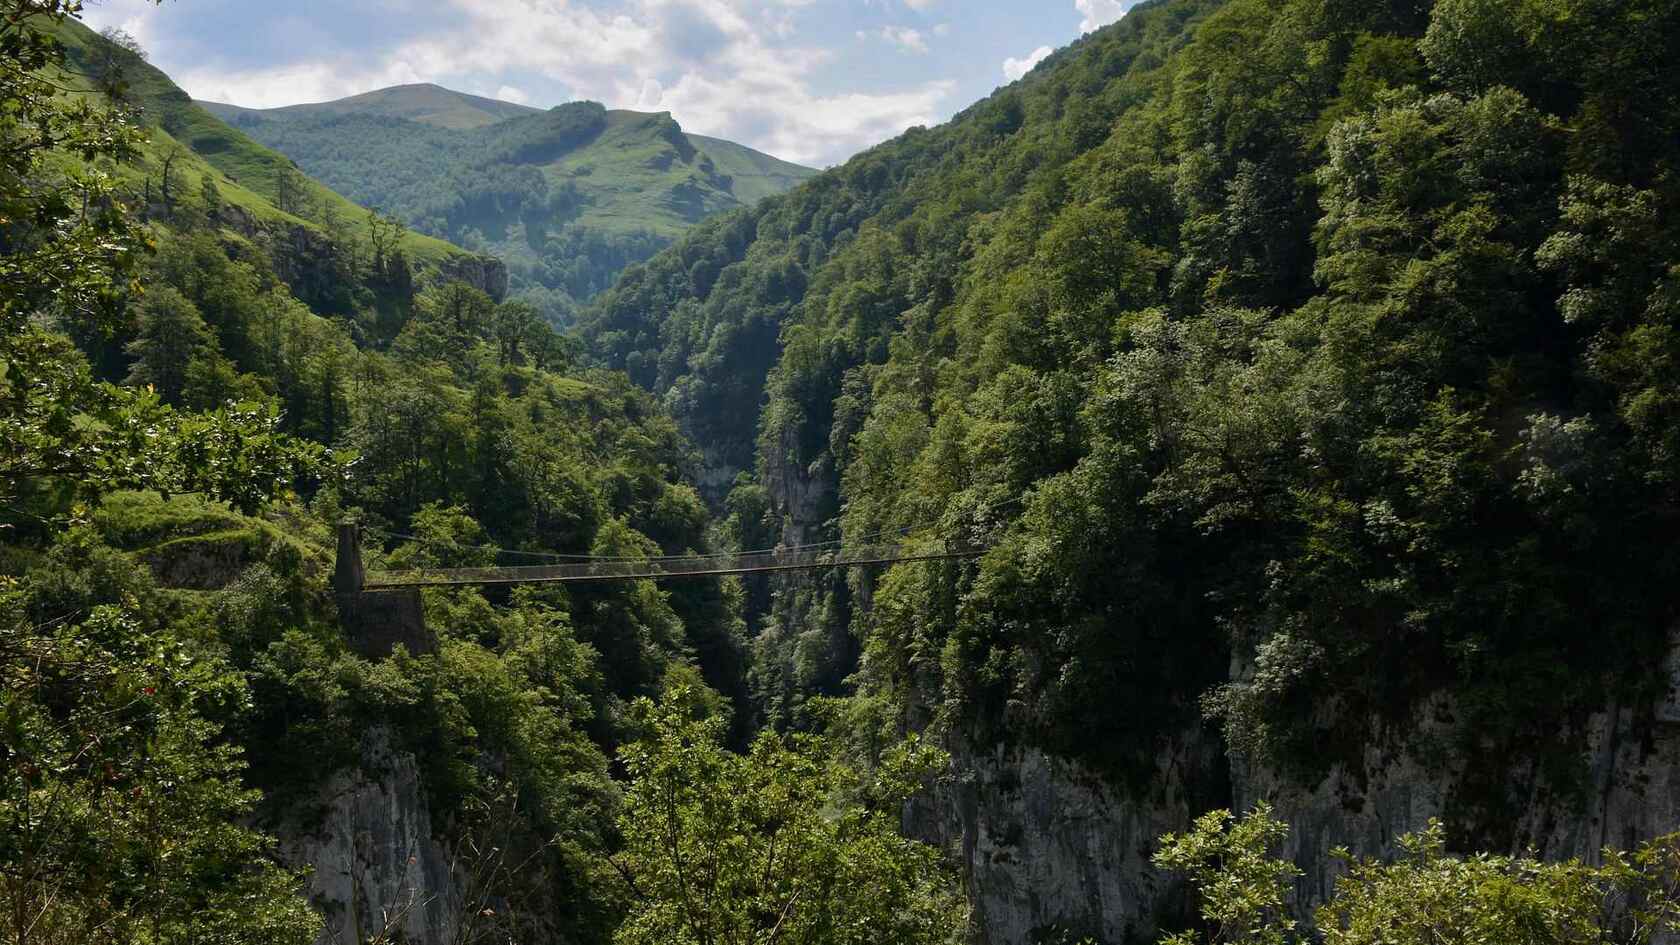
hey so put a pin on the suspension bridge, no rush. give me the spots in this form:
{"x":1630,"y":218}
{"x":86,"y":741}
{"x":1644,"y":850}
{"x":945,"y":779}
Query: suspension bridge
{"x":352,"y":578}
{"x":382,"y":610}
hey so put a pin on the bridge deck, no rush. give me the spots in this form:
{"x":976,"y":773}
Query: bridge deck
{"x":659,"y":569}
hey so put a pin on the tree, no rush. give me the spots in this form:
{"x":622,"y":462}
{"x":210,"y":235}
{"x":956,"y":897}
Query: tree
{"x":515,"y":326}
{"x":172,"y":334}
{"x":112,"y":58}
{"x":385,"y":234}
{"x":120,"y":805}
{"x":67,"y":233}
{"x":288,"y":190}
{"x":783,"y":844}
{"x":211,"y":195}
{"x":72,"y":243}
{"x":169,"y":180}
{"x":1424,"y":896}
{"x":1244,"y":889}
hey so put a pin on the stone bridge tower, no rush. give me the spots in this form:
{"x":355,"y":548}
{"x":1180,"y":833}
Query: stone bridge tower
{"x":376,"y":621}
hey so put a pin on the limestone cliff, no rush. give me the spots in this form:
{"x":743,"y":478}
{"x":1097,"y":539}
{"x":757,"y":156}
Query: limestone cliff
{"x":1048,"y":848}
{"x":807,"y":646}
{"x":1631,"y":756}
{"x":376,"y":868}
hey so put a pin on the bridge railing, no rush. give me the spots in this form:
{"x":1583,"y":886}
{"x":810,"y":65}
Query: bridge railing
{"x":666,"y":568}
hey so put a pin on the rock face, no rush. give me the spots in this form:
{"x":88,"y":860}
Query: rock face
{"x":1048,"y":848}
{"x":208,"y":562}
{"x":807,"y":645}
{"x":484,"y":273}
{"x":805,"y":496}
{"x":376,"y":868}
{"x":1050,"y":851}
{"x":1632,"y":794}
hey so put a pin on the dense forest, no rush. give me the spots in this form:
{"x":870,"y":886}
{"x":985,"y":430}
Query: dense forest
{"x":1336,"y":338}
{"x":567,"y":197}
{"x":1310,"y":370}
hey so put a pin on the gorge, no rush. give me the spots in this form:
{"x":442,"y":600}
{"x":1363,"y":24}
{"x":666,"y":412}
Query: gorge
{"x":1308,"y":372}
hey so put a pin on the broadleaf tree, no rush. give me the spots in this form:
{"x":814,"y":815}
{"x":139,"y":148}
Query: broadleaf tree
{"x":781,"y":845}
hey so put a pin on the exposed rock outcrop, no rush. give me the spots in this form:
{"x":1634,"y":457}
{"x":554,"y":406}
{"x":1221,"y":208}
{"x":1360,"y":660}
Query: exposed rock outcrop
{"x":205,"y":562}
{"x":484,"y":273}
{"x":376,"y":867}
{"x":1048,"y":847}
{"x":1631,"y":794}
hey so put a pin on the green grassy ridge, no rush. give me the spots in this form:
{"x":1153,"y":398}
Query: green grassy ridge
{"x":143,"y":521}
{"x":641,"y":173}
{"x":246,"y":172}
{"x":755,"y":175}
{"x":425,"y":103}
{"x":567,"y":196}
{"x":193,"y":544}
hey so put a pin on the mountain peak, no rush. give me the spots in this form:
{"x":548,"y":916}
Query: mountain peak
{"x":425,"y":102}
{"x":567,"y":196}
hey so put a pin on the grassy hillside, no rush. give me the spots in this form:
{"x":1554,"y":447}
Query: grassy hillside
{"x":249,"y":175}
{"x":567,"y":197}
{"x":756,"y":175}
{"x":640,"y":173}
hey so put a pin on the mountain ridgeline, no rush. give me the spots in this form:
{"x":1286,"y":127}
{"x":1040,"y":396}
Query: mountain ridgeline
{"x":1311,"y":367}
{"x":567,"y":197}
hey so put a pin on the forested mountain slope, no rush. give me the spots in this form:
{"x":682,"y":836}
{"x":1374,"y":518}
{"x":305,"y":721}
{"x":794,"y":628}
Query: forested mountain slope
{"x":568,"y":197}
{"x":183,"y":430}
{"x":1313,"y":367}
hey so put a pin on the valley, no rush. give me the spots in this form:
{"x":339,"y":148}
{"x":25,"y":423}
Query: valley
{"x":567,"y":197}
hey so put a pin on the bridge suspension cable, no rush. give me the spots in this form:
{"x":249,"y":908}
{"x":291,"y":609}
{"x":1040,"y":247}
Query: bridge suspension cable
{"x":662,"y":569}
{"x":351,"y":577}
{"x":901,"y":532}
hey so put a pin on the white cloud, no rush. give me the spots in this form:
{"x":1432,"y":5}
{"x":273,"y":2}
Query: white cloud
{"x":652,"y":96}
{"x":1100,"y":13}
{"x":1015,"y":68}
{"x":920,"y":4}
{"x":517,"y":96}
{"x":728,"y":68}
{"x":905,"y":38}
{"x":291,"y":84}
{"x":709,"y":62}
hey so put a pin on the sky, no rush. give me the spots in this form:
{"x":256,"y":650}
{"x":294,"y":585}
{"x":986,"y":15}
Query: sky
{"x":812,"y":81}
